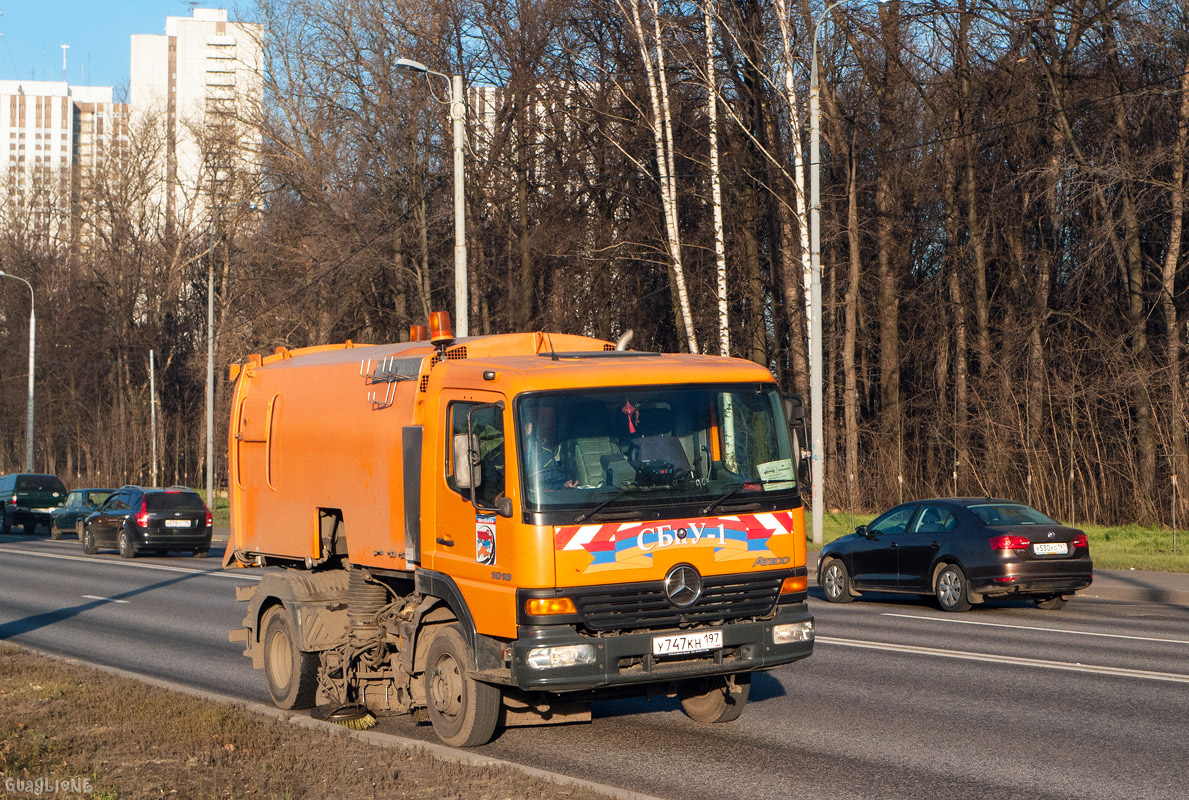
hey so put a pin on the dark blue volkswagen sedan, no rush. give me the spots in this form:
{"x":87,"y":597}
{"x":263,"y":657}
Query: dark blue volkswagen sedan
{"x":960,"y":551}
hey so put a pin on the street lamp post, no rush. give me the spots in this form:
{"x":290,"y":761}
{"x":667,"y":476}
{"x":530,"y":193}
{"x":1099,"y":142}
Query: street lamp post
{"x":816,"y":433}
{"x":407,"y":66}
{"x":210,"y":364}
{"x":32,"y":364}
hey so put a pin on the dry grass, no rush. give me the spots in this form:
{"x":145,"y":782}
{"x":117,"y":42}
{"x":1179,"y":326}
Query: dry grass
{"x":129,"y":740}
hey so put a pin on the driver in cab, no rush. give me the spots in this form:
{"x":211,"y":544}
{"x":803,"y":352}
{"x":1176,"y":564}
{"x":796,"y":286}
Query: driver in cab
{"x":541,"y":464}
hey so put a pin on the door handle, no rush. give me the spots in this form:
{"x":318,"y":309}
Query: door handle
{"x":935,"y":546}
{"x":443,"y":541}
{"x":894,"y":545}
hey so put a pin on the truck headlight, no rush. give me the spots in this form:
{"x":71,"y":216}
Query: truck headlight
{"x":570,"y":655}
{"x":793,"y":632}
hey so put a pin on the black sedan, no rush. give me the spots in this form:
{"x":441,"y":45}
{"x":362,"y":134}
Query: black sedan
{"x":80,"y":503}
{"x":961,"y":551}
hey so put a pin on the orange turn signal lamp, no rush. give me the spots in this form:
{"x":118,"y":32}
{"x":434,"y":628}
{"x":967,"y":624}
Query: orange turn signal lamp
{"x":549,"y":606}
{"x":418,"y":333}
{"x":797,"y":583}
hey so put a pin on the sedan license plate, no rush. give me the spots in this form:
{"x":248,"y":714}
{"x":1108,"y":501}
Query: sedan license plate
{"x":177,"y":523}
{"x":700,"y":642}
{"x":1050,"y":548}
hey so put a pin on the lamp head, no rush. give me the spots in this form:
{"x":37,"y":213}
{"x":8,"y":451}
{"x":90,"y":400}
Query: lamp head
{"x":407,"y":66}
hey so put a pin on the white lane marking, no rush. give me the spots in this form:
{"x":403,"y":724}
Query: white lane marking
{"x":1014,"y":660}
{"x":104,"y":599}
{"x":122,"y":563}
{"x":1038,"y":628}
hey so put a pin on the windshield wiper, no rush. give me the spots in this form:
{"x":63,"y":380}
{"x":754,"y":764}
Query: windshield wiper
{"x":734,"y":490}
{"x":588,"y":514}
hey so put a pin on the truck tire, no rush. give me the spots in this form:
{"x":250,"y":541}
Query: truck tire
{"x":292,"y":674}
{"x":710,"y":699}
{"x":464,"y":712}
{"x":55,"y":534}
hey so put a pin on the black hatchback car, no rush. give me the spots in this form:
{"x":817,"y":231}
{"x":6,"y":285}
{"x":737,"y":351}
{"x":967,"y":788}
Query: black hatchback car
{"x":960,"y":551}
{"x":28,"y":500}
{"x":136,"y":520}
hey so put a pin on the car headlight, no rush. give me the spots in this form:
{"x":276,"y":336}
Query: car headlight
{"x":793,"y":632}
{"x":570,"y":655}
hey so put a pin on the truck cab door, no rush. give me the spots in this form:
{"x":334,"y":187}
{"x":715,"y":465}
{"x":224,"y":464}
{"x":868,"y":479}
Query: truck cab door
{"x":471,"y":542}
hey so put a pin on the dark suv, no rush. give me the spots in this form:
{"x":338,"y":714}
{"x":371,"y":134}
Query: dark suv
{"x":135,"y":519}
{"x":28,"y":500}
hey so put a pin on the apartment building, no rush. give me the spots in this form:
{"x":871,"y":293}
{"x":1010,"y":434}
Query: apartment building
{"x":201,"y":83}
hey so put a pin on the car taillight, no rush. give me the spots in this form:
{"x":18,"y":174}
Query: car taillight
{"x":142,"y":516}
{"x":1006,"y":542}
{"x":13,"y":500}
{"x":1079,"y":540}
{"x":209,"y":518}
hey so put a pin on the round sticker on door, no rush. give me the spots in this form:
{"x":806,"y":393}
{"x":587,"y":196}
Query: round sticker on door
{"x":485,"y":539}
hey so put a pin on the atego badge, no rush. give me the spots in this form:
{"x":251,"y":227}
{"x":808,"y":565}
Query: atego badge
{"x":485,"y":538}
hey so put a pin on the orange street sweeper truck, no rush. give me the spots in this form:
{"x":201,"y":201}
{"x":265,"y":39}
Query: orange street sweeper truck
{"x":501,"y":529}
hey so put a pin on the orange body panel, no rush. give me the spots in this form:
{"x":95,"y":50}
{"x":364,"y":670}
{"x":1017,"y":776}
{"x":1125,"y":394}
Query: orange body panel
{"x":309,"y":431}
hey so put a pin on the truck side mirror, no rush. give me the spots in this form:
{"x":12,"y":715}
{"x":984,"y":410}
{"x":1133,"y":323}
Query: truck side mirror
{"x":794,"y":408}
{"x":468,"y":472}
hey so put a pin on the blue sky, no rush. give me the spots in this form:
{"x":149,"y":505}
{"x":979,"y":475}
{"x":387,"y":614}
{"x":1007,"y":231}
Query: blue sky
{"x":97,"y":31}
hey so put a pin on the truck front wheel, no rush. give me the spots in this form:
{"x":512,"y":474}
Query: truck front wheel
{"x":291,"y":673}
{"x":711,"y":699}
{"x":464,"y":712}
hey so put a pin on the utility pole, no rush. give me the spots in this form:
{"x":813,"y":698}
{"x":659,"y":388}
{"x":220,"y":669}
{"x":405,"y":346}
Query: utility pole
{"x":153,"y":409}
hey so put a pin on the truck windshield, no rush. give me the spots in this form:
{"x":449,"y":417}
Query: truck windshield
{"x":617,"y":449}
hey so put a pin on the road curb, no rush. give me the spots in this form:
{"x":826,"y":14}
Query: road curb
{"x":439,"y":752}
{"x":1118,"y":588}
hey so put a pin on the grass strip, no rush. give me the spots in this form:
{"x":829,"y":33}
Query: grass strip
{"x":69,"y":731}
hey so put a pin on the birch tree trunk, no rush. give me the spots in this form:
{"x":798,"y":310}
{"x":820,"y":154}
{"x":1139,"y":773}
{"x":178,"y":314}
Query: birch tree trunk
{"x":797,"y":147}
{"x":1176,"y":203}
{"x":662,"y":133}
{"x":720,"y":249}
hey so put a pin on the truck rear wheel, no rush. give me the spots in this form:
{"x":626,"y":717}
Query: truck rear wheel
{"x":464,"y":712}
{"x":292,"y":674}
{"x":710,"y":699}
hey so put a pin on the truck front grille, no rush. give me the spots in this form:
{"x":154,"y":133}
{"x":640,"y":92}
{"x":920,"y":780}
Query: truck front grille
{"x":644,"y":605}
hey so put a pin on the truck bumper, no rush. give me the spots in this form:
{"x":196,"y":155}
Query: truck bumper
{"x":626,"y":659}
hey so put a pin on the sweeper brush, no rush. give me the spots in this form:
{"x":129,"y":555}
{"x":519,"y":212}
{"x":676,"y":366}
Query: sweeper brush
{"x":353,"y":716}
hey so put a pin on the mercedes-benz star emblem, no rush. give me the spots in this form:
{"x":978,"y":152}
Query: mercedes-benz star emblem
{"x":683,"y":586}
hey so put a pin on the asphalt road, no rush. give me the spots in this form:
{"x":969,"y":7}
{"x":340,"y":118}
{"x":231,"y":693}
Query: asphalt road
{"x":898,"y":701}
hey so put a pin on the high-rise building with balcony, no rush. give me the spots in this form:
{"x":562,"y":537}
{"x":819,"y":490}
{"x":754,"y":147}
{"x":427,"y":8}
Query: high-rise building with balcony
{"x":200,"y":85}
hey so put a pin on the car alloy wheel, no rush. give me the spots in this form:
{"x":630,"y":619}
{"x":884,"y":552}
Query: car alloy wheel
{"x":951,"y":589}
{"x":88,"y":540}
{"x":127,"y":550}
{"x":836,"y":582}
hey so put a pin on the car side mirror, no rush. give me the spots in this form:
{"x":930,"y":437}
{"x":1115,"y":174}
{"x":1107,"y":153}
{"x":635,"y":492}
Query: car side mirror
{"x":862,"y":531}
{"x":468,"y":472}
